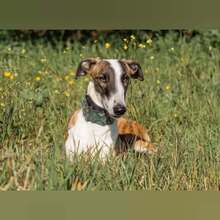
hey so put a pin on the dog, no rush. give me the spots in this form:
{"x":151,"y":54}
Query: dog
{"x":98,"y":125}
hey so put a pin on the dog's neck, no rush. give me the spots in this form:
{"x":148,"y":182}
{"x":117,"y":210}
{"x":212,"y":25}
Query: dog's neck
{"x":93,"y":109}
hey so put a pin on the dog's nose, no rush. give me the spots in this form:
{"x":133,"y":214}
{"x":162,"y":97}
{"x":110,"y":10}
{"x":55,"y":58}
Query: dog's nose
{"x":119,"y":109}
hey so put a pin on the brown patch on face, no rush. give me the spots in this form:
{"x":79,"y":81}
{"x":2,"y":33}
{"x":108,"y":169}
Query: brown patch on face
{"x":104,"y":78}
{"x":101,"y":72}
{"x":91,"y":66}
{"x":132,"y":68}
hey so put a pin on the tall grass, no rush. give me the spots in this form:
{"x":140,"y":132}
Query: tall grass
{"x":179,"y":102}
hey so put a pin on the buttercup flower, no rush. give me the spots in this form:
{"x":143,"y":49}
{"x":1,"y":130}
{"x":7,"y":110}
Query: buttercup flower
{"x":7,"y":74}
{"x":141,"y":46}
{"x":67,"y":94}
{"x":132,"y":37}
{"x":37,"y":78}
{"x":149,"y":41}
{"x":23,"y":51}
{"x":66,"y":77}
{"x":167,"y":87}
{"x":107,"y":45}
{"x":125,"y":46}
{"x":71,"y":82}
{"x":43,"y":60}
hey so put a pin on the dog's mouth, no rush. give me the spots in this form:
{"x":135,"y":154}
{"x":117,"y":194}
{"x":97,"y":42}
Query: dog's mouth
{"x":116,"y":116}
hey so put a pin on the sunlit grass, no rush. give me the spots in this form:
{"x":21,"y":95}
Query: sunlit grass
{"x":179,"y":102}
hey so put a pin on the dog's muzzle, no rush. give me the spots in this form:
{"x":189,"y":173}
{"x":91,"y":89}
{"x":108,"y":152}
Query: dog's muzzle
{"x":119,"y":110}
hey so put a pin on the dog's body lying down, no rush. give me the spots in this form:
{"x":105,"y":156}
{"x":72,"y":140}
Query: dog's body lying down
{"x":98,"y":125}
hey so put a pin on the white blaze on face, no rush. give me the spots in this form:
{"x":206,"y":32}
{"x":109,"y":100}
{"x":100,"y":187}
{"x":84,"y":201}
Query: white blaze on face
{"x":118,"y":96}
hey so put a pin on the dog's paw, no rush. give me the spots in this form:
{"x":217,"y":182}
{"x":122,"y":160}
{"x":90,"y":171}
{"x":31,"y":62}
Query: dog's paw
{"x":145,"y":147}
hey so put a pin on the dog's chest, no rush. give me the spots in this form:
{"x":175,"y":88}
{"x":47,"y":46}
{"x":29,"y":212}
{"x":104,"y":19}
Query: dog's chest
{"x":85,"y":135}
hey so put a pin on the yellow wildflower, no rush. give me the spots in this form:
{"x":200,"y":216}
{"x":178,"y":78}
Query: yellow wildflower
{"x":125,"y":40}
{"x":37,"y":78}
{"x":12,"y":77}
{"x":67,"y":94}
{"x":175,"y":115}
{"x":125,"y":46}
{"x":7,"y":74}
{"x":107,"y":45}
{"x":71,"y":73}
{"x":2,"y":104}
{"x":71,"y":82}
{"x":172,"y":49}
{"x":132,"y":37}
{"x":66,"y":77}
{"x":149,"y":41}
{"x":56,"y":91}
{"x":141,"y":46}
{"x":43,"y":60}
{"x":167,"y":87}
{"x":23,"y":51}
{"x":151,"y":57}
{"x":158,"y":81}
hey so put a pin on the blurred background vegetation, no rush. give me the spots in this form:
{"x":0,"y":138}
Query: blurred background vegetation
{"x":211,"y":37}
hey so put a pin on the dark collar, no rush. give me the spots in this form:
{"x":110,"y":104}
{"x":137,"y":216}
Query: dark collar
{"x":94,"y":113}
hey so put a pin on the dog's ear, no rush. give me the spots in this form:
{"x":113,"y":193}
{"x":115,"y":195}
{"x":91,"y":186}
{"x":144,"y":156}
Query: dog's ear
{"x":85,"y":67}
{"x":133,"y":69}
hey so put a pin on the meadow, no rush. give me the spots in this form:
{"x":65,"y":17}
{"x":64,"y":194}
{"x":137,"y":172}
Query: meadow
{"x":179,"y":102}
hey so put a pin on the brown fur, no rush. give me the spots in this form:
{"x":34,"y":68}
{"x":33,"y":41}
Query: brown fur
{"x":132,"y":135}
{"x":132,"y":68}
{"x":97,"y":67}
{"x":71,"y":122}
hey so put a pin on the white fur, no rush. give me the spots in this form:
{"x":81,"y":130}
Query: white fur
{"x":87,"y":136}
{"x":117,"y":97}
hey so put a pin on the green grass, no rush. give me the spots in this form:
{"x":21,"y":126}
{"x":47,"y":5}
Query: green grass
{"x":179,"y":102}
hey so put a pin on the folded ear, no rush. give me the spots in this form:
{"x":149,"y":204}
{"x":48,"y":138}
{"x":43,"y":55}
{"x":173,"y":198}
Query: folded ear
{"x":85,"y":67}
{"x":133,"y":69}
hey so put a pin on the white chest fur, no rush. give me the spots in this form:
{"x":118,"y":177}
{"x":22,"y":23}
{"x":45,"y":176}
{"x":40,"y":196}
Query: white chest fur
{"x":84,"y":136}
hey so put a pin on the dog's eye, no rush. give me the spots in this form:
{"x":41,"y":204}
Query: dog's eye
{"x":103,"y":78}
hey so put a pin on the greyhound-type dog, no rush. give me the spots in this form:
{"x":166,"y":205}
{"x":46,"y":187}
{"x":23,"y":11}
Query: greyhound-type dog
{"x":98,"y":125}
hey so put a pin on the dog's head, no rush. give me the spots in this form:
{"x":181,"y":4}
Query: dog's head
{"x":110,"y":80}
